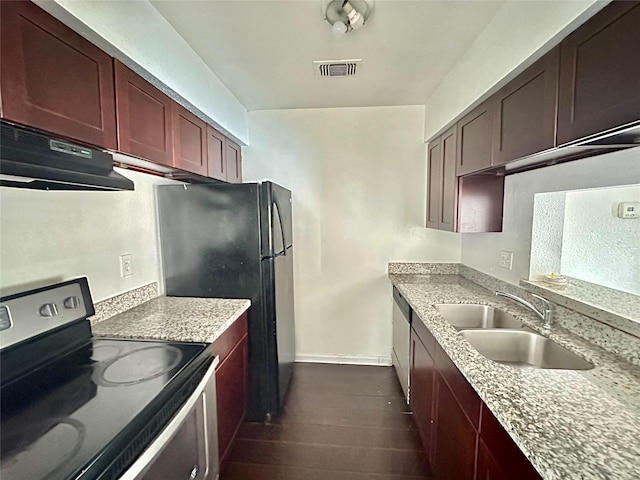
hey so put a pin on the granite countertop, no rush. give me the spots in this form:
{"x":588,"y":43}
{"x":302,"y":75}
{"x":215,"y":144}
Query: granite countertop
{"x":180,"y":319}
{"x":569,"y":424}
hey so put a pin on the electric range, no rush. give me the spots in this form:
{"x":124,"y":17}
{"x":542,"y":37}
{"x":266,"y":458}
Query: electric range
{"x":74,"y":406}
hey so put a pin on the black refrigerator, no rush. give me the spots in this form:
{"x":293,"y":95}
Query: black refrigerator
{"x":235,"y":241}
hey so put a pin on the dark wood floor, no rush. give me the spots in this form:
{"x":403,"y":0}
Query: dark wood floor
{"x":340,"y":422}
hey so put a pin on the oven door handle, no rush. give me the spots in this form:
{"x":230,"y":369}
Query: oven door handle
{"x":139,"y":467}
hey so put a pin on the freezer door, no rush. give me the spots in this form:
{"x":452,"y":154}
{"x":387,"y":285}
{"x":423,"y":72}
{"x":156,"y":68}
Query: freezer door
{"x":275,"y":213}
{"x":282,"y":198}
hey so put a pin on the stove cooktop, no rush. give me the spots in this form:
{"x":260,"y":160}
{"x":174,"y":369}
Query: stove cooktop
{"x":88,"y":414}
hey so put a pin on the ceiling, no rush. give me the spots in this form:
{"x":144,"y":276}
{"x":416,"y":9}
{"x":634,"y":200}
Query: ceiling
{"x":263,"y":50}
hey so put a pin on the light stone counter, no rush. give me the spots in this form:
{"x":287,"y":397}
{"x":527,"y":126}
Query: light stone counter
{"x":179,"y":319}
{"x":569,"y":424}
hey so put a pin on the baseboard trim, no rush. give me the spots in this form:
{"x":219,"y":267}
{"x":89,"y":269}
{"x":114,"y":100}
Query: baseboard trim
{"x":344,"y":359}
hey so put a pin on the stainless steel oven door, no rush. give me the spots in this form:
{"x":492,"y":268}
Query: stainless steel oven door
{"x":187,"y":448}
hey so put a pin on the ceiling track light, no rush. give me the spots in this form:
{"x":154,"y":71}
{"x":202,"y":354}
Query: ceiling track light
{"x":346,"y":15}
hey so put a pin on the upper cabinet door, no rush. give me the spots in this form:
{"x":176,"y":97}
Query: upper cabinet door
{"x":600,"y":73}
{"x":474,"y":139}
{"x":525,"y":111}
{"x":434,"y":183}
{"x":234,"y":162}
{"x":216,"y":154}
{"x":53,"y":79}
{"x":144,"y":118}
{"x":189,"y":141}
{"x":449,"y":200}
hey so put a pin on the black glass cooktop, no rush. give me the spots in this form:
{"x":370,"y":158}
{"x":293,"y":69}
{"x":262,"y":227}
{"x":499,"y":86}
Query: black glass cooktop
{"x":88,"y":414}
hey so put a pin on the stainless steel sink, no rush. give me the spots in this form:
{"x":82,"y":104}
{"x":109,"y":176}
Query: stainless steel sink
{"x":463,"y":316}
{"x":523,"y":349}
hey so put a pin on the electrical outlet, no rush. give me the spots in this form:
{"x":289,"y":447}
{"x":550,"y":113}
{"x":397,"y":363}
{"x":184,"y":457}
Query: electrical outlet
{"x":126,"y":265}
{"x":506,"y":259}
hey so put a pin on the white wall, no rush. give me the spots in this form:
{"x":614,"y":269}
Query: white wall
{"x":482,"y":250}
{"x":597,"y":245}
{"x":358,"y":182}
{"x":520,"y":33}
{"x":47,"y":237}
{"x":137,"y":30}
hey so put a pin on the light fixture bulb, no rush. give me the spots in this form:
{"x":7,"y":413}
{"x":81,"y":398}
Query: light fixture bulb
{"x":339,"y":29}
{"x":356,"y":19}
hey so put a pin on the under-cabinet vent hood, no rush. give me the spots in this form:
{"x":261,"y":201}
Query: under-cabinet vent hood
{"x":33,"y":160}
{"x":626,"y":136}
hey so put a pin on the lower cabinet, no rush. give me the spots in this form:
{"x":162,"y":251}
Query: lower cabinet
{"x":231,"y":384}
{"x":423,"y":389}
{"x":455,"y":443}
{"x":461,"y":437}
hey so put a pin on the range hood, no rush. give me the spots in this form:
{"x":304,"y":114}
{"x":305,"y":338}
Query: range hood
{"x":627,"y":136}
{"x":33,"y":160}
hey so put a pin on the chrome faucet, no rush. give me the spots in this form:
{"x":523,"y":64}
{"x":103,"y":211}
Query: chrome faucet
{"x":546,"y":314}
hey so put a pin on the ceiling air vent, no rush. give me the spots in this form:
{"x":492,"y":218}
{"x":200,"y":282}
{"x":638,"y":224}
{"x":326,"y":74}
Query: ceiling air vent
{"x":335,"y":68}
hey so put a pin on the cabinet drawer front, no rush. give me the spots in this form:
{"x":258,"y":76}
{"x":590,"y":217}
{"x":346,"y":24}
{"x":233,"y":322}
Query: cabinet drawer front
{"x":464,"y":393}
{"x":144,"y":118}
{"x":53,"y":79}
{"x":600,"y":72}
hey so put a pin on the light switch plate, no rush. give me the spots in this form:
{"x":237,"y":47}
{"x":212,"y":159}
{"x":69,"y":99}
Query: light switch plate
{"x":506,"y":259}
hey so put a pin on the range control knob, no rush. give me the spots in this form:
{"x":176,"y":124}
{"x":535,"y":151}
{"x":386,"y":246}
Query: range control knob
{"x":49,"y":310}
{"x":71,"y":302}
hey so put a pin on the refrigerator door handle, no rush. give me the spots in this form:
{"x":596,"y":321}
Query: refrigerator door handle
{"x":275,"y":211}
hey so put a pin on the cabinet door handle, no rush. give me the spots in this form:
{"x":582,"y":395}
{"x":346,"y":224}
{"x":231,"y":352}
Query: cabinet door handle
{"x":194,"y":472}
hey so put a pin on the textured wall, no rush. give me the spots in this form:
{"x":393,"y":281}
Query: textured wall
{"x":46,"y":237}
{"x":357,"y":176}
{"x":598,"y":246}
{"x":546,"y":234}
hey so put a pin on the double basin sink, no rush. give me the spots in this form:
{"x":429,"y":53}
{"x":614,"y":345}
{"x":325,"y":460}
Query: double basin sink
{"x":498,"y":336}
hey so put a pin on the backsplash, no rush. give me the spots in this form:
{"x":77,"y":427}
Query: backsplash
{"x":416,"y":268}
{"x":123,"y":302}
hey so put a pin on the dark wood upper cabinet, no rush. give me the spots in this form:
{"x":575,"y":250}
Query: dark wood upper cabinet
{"x":144,"y":113}
{"x":434,"y":182}
{"x":449,"y":202}
{"x":216,"y":154}
{"x":474,"y":139}
{"x":53,"y":79}
{"x":189,"y":141}
{"x":600,"y":73}
{"x":442,"y":183}
{"x":525,"y":111}
{"x":480,"y":202}
{"x":234,"y":162}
